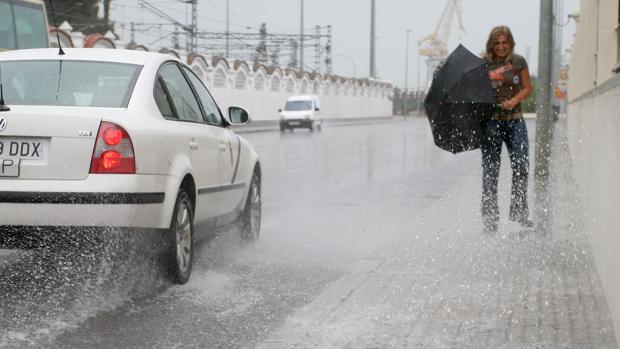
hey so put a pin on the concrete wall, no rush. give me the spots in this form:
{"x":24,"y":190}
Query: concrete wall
{"x":594,"y":53}
{"x":263,"y":93}
{"x":594,"y":136}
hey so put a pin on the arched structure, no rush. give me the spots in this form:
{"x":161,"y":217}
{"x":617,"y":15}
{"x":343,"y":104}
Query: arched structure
{"x":170,"y":52}
{"x":199,"y":65}
{"x":134,"y":46}
{"x":290,"y":84}
{"x":65,"y":37}
{"x":98,"y":41}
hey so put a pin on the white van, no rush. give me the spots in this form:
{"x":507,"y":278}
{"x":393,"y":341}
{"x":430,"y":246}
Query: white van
{"x":301,"y":112}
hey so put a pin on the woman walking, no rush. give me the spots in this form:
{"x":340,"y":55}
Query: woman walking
{"x":510,"y":79}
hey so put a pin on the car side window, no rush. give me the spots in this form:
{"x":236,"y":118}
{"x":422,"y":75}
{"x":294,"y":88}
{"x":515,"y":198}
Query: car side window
{"x":162,"y":101}
{"x":214,"y":117}
{"x":181,"y":98}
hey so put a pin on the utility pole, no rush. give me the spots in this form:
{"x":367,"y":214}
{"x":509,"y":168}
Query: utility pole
{"x":175,"y":38}
{"x":227,"y":29}
{"x":419,"y":92}
{"x":328,"y":51}
{"x":544,"y":120}
{"x":372,"y":39}
{"x":407,"y":61}
{"x":406,"y":99}
{"x":194,"y":36}
{"x":293,"y":60}
{"x":261,"y":49}
{"x":301,"y":39}
{"x":317,"y":49}
{"x":132,"y":36}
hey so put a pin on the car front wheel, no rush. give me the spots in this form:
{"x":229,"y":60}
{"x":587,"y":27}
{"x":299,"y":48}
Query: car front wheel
{"x":182,"y":231}
{"x":251,"y":216}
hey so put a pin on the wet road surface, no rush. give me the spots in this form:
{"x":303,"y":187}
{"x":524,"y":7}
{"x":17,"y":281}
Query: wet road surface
{"x":370,"y":239}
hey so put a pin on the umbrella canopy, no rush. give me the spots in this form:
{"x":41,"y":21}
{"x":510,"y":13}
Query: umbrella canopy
{"x":459,"y":99}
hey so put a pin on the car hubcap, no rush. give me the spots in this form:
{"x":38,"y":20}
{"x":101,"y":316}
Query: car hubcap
{"x":255,"y":208}
{"x":183,"y":238}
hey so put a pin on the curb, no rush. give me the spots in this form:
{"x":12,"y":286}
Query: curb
{"x":273,"y":125}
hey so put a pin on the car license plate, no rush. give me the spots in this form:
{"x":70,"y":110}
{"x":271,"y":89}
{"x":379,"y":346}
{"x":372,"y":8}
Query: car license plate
{"x":293,"y":123}
{"x":23,"y":148}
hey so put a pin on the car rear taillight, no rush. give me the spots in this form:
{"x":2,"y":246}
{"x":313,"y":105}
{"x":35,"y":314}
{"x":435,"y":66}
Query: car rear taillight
{"x":113,"y":151}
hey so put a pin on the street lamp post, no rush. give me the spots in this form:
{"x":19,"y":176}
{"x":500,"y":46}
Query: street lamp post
{"x":419,"y":91}
{"x":406,"y":99}
{"x":352,"y":61}
{"x":227,"y":29}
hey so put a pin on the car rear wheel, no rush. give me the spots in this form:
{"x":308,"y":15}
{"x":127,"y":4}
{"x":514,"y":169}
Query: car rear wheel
{"x":182,"y":233}
{"x":251,"y":216}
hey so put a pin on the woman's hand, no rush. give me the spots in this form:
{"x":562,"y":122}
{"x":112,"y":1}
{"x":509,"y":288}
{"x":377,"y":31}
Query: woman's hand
{"x":509,"y":104}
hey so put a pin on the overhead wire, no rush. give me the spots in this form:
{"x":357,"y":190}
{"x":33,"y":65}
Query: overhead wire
{"x":253,"y":21}
{"x":169,"y":7}
{"x":164,"y":5}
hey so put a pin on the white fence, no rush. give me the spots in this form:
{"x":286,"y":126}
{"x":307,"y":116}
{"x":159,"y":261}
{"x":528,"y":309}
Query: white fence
{"x":264,"y":90}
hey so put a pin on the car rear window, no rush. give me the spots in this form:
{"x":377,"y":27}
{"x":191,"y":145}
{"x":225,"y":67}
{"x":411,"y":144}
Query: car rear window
{"x":68,"y":83}
{"x":298,"y":105}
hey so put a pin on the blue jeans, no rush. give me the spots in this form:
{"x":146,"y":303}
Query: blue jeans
{"x":514,"y":134}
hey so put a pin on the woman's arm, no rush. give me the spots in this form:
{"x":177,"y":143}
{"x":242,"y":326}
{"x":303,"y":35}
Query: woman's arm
{"x":526,"y":89}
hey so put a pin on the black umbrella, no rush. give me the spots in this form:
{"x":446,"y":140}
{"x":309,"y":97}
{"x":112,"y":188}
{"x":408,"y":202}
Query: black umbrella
{"x":459,"y":99}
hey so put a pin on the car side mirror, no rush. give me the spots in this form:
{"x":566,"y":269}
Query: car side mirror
{"x":316,"y":109}
{"x":279,"y":110}
{"x":238,"y":115}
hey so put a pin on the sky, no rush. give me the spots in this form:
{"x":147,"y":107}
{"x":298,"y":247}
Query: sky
{"x":350,"y":21}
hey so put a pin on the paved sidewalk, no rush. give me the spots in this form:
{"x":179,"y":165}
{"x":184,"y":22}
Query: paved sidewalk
{"x":448,"y":286}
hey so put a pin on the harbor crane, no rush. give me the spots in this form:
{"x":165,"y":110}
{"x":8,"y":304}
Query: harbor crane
{"x":435,"y":46}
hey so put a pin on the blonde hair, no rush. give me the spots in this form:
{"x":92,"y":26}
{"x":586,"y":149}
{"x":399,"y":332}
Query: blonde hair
{"x":496,"y":32}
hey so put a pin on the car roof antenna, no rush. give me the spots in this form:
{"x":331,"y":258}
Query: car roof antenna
{"x":60,"y":51}
{"x":3,"y":107}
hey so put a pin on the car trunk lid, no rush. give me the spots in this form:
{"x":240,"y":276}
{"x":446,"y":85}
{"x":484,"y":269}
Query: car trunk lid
{"x":47,"y":142}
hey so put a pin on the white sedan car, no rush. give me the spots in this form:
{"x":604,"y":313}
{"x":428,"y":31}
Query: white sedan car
{"x":104,"y":138}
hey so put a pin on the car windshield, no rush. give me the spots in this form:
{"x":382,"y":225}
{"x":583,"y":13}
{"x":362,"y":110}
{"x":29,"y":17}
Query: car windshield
{"x":68,"y":83}
{"x":298,"y":105}
{"x":22,"y":25}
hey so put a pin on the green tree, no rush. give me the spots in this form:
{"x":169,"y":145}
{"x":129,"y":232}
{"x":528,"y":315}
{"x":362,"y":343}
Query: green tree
{"x":82,"y":15}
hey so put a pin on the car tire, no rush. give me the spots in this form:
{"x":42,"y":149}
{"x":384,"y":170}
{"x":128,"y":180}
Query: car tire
{"x":251,"y":215}
{"x":181,"y":233}
{"x":311,"y":127}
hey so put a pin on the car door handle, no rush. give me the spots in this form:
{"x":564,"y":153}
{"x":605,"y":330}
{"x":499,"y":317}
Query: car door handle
{"x":193,"y":146}
{"x":223,"y":147}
